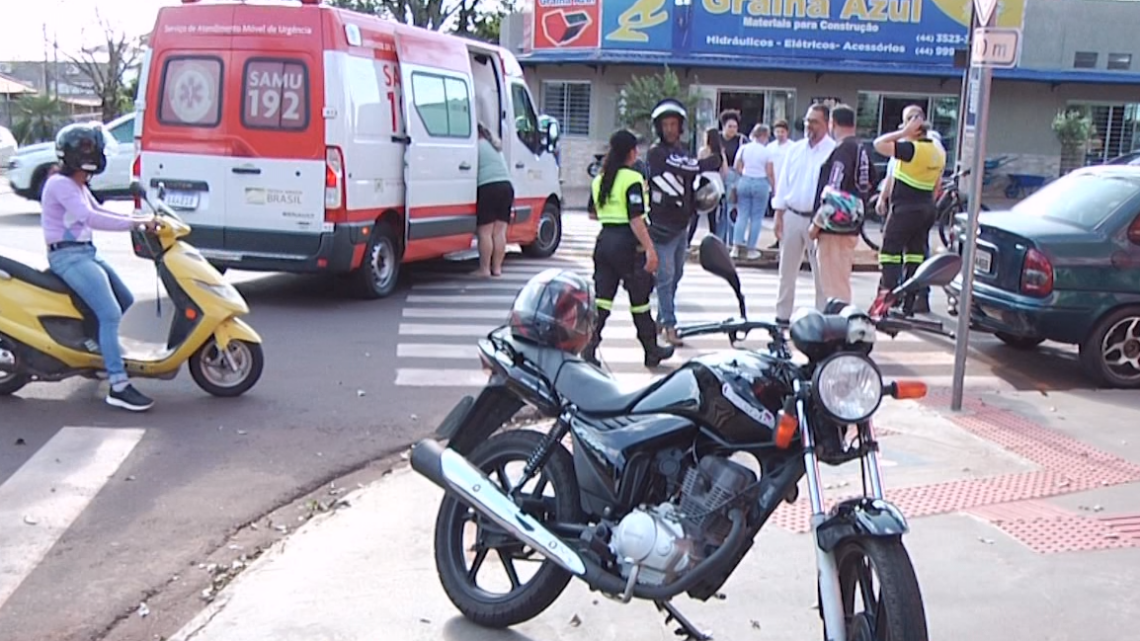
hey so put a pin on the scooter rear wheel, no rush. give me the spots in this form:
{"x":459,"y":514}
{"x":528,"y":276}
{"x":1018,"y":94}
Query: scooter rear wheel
{"x":209,"y":365}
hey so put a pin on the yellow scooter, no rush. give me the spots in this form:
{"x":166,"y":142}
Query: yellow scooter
{"x":47,"y":333}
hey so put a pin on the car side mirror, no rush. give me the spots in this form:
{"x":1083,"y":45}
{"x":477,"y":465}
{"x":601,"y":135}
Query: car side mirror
{"x":552,"y":133}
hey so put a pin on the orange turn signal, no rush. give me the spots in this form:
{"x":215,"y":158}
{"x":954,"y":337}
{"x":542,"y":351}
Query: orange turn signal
{"x":191,"y":314}
{"x":909,"y":389}
{"x":786,"y":427}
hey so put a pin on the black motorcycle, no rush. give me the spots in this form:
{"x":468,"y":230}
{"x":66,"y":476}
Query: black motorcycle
{"x":646,"y":503}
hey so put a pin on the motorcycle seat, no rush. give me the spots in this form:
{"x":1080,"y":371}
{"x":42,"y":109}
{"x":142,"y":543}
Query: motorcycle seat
{"x":42,"y":279}
{"x":592,"y":390}
{"x":589,"y":388}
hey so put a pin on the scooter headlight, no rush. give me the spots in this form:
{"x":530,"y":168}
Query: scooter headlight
{"x":849,"y":387}
{"x":222,"y":290}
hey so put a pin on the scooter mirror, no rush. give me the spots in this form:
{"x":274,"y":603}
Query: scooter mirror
{"x":136,"y":189}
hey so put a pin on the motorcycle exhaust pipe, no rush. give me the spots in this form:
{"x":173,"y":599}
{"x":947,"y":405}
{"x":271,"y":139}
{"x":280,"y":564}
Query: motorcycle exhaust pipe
{"x":450,"y":471}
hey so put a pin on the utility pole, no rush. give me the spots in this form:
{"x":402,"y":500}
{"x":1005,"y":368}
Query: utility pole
{"x":47,"y":85}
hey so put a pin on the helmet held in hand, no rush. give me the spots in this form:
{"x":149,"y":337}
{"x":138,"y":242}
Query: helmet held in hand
{"x":839,"y":212}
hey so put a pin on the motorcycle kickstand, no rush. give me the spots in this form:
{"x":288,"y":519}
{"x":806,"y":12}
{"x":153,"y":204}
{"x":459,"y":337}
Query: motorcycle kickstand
{"x":687,"y":630}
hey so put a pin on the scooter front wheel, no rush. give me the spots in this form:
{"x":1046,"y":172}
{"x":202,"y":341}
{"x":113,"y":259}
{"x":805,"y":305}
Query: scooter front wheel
{"x":11,"y":380}
{"x":230,"y":372}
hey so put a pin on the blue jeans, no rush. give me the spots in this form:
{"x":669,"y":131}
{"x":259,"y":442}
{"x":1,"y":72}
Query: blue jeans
{"x":96,"y":282}
{"x":671,"y":255}
{"x":752,"y":203}
{"x":724,"y":230}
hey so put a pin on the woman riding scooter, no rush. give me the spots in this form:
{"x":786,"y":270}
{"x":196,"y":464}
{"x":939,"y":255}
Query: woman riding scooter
{"x":70,"y":215}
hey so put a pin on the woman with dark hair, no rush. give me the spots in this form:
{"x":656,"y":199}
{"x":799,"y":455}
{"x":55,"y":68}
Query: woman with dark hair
{"x":713,"y":147}
{"x":493,"y":202}
{"x":70,"y":215}
{"x":624,"y":253}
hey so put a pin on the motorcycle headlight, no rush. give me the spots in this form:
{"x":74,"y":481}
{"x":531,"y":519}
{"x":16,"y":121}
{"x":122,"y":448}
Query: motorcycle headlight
{"x":849,"y":387}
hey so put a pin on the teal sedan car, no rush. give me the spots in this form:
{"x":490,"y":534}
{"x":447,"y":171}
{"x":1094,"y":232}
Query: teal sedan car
{"x":1064,"y":265}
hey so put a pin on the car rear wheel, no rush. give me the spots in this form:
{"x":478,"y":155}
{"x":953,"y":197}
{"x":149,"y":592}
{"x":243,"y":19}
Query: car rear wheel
{"x":1111,"y":353}
{"x":1019,"y":342}
{"x":379,"y":273}
{"x":549,"y":234}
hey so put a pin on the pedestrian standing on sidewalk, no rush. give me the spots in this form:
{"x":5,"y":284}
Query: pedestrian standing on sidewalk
{"x":713,"y":147}
{"x":494,"y":198}
{"x":779,"y":148}
{"x":733,"y":141}
{"x":849,"y":181}
{"x":672,"y":173}
{"x":917,"y":173}
{"x":623,"y":253}
{"x":796,"y":192}
{"x":754,"y":164}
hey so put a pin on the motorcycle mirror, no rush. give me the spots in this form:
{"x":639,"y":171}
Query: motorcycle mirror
{"x":936,"y":271}
{"x":136,"y":189}
{"x":716,"y":260}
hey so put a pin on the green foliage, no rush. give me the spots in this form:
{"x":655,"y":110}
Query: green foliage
{"x":471,"y":18}
{"x":1073,"y":127}
{"x":38,"y":116}
{"x":638,"y":97}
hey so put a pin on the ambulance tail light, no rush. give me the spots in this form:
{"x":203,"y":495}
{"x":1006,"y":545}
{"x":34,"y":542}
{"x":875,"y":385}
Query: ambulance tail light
{"x":136,"y":171}
{"x":334,"y":184}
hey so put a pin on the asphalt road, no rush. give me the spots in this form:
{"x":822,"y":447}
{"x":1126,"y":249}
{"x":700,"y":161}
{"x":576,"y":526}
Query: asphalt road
{"x":346,"y":382}
{"x":204,"y":466}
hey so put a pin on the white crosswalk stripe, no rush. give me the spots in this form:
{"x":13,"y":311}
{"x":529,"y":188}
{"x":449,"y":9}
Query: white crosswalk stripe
{"x":41,"y":500}
{"x":444,"y":317}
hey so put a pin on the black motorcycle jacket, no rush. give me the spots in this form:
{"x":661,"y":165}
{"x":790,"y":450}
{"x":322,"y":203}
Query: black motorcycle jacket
{"x":672,"y":172}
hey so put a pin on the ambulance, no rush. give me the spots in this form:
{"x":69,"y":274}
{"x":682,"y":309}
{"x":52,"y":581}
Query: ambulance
{"x":303,"y":138}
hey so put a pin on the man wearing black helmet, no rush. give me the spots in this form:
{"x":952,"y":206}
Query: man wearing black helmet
{"x":70,"y":214}
{"x":672,"y":172}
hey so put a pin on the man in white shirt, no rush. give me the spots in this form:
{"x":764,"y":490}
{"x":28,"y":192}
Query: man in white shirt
{"x":779,"y":148}
{"x":797,"y":183}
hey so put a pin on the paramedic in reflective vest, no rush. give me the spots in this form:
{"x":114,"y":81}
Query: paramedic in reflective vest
{"x":919,"y":162}
{"x":624,"y":253}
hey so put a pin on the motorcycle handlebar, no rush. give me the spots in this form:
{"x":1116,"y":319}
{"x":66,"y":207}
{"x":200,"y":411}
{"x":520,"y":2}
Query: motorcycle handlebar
{"x":728,"y":327}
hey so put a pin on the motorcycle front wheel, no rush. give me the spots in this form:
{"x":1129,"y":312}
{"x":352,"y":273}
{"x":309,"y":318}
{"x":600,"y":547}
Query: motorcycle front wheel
{"x":896,"y":612}
{"x":471,"y":581}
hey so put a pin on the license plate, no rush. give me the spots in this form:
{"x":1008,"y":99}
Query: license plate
{"x":182,"y":199}
{"x":983,"y":261}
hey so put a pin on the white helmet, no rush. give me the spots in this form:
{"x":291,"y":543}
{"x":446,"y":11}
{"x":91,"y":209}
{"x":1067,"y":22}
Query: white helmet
{"x":709,"y":189}
{"x":668,"y":107}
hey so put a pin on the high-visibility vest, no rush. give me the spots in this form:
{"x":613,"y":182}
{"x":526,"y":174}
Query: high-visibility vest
{"x":616,"y":210}
{"x":924,"y":171}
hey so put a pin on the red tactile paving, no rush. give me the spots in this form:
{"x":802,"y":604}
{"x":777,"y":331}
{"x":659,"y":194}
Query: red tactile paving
{"x":1066,"y":534}
{"x":1066,"y":466}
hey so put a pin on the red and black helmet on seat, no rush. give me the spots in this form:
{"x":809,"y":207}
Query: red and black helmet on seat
{"x":556,"y":309}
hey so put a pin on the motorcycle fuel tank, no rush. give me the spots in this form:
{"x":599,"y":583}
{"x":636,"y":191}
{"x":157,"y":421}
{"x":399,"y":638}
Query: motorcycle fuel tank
{"x":735,"y":394}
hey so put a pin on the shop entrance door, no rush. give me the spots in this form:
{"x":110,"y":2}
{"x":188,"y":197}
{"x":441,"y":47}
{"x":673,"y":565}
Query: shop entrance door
{"x":891,"y":109}
{"x":750,"y":104}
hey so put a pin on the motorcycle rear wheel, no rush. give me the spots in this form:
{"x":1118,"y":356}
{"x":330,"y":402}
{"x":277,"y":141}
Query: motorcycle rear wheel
{"x":523,"y":601}
{"x":899,"y":601}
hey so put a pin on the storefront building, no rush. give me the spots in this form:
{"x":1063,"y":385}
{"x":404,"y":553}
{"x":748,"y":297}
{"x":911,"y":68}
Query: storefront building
{"x":770,"y":59}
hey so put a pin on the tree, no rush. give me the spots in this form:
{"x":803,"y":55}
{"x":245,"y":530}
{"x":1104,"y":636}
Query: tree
{"x":104,"y":67}
{"x":638,"y":97}
{"x":39,"y":116}
{"x":430,"y":14}
{"x":471,"y":18}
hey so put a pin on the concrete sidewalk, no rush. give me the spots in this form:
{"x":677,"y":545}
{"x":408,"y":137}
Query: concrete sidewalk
{"x":367,"y":572}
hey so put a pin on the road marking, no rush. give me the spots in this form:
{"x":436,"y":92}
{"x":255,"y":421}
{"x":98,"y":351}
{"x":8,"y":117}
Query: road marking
{"x":51,"y":489}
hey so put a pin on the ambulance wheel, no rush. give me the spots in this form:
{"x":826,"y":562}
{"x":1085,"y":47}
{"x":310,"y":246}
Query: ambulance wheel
{"x":549,"y":234}
{"x":379,"y":273}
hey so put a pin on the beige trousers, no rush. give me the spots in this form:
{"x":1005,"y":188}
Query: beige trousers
{"x":836,"y":255}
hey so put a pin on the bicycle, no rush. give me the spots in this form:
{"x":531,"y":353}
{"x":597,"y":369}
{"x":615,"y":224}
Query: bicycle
{"x":950,"y":203}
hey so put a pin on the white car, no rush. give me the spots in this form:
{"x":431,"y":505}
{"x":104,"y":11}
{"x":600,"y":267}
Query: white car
{"x":8,"y":146}
{"x":29,"y":165}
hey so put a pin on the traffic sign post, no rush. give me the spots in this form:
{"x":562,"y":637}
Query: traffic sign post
{"x":991,"y":47}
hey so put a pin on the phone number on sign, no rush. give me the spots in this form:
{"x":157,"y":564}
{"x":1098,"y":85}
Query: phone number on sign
{"x":934,"y":51}
{"x":943,"y":38}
